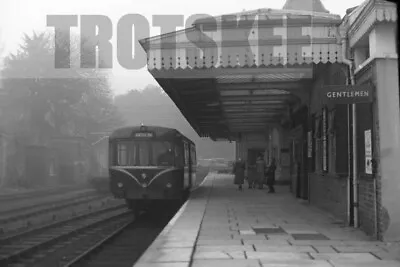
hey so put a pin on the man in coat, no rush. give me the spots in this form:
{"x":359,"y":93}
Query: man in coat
{"x":271,"y":176}
{"x":238,"y":170}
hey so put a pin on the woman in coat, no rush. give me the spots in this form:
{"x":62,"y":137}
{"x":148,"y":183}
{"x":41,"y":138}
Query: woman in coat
{"x":238,"y":170}
{"x":260,"y":167}
{"x":271,"y":176}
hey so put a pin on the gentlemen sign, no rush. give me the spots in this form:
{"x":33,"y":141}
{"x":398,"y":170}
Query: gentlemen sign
{"x":347,"y":94}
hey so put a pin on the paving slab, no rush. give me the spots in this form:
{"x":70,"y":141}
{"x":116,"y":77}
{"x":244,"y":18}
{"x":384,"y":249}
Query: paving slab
{"x":216,"y":242}
{"x":225,"y":263}
{"x":268,"y":242}
{"x":225,"y":248}
{"x":215,"y":237}
{"x":279,"y":237}
{"x":204,"y":255}
{"x":249,"y":237}
{"x":387,"y":255}
{"x":295,"y":263}
{"x":277,"y":256}
{"x":163,"y":264}
{"x":247,"y":232}
{"x":383,"y":263}
{"x":355,"y":257}
{"x":324,"y":249}
{"x":352,"y":249}
{"x":302,"y":249}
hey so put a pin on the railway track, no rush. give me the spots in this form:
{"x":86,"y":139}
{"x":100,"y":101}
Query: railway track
{"x":26,"y":212}
{"x":41,"y":192}
{"x":32,"y":247}
{"x":123,"y":246}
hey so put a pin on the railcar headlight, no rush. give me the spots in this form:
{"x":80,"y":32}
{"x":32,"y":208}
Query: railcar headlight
{"x":144,"y":185}
{"x":169,"y":185}
{"x":120,"y":185}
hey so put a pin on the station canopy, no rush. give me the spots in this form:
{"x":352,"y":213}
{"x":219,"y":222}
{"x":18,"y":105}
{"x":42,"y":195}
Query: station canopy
{"x":249,"y":72}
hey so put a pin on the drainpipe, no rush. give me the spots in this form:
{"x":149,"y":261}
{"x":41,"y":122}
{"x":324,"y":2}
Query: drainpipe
{"x":350,"y":64}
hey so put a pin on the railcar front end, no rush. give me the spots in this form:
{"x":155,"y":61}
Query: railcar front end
{"x":146,"y":170}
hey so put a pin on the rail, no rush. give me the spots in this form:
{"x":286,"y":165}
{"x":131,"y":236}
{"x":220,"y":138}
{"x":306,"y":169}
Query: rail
{"x":26,"y":246}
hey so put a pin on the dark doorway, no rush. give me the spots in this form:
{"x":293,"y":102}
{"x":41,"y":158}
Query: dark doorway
{"x":299,"y":170}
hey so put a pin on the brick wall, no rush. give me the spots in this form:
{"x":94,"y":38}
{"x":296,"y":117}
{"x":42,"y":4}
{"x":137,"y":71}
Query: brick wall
{"x":367,"y":209}
{"x":329,"y":193}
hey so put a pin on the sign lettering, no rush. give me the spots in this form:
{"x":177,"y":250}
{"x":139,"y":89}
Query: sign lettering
{"x":347,"y":94}
{"x":148,"y":135}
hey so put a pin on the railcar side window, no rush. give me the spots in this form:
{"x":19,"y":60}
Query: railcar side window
{"x":186,"y":147}
{"x":179,"y":156}
{"x":193,"y":154}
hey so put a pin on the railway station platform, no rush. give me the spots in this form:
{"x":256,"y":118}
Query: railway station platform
{"x":221,"y":226}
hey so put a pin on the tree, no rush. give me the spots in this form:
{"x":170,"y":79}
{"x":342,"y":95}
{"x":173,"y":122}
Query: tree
{"x":44,"y":103}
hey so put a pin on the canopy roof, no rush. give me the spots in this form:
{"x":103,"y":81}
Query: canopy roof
{"x":253,"y":78}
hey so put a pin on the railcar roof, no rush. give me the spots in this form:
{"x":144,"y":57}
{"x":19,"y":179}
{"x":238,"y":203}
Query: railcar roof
{"x":126,"y":132}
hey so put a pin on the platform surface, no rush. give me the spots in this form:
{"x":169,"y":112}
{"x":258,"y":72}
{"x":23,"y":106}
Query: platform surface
{"x":220,"y":226}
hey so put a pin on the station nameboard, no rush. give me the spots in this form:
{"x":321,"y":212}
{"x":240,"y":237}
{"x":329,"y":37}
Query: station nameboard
{"x":347,"y":94}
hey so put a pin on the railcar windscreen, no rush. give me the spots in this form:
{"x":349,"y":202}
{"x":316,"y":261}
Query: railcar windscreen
{"x":144,"y":153}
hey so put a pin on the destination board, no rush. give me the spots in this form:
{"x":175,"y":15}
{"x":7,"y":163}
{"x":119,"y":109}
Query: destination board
{"x":144,"y":134}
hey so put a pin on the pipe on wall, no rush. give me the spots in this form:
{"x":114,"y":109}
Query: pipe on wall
{"x":350,"y":65}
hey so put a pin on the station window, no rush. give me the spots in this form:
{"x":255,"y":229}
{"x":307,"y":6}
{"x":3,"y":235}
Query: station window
{"x":325,"y":141}
{"x":318,"y":144}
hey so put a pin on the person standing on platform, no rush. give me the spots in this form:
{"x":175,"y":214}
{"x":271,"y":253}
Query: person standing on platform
{"x":271,"y":176}
{"x":251,"y":176}
{"x":238,"y":170}
{"x":260,"y":170}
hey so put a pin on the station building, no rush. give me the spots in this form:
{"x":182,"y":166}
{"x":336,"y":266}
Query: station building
{"x":317,"y":92}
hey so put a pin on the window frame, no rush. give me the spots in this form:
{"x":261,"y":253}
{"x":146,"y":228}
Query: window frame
{"x":193,"y":154}
{"x":135,"y":146}
{"x":179,"y":155}
{"x":331,"y":141}
{"x":186,"y":153}
{"x":317,"y":141}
